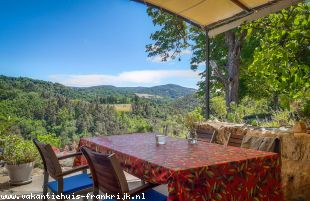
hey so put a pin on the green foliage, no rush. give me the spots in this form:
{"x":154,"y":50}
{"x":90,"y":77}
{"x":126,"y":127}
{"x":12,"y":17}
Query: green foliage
{"x":11,"y":87}
{"x":247,"y":106}
{"x":279,"y":118}
{"x":174,"y":125}
{"x":51,"y":139}
{"x":171,"y":39}
{"x":193,"y":118}
{"x":281,"y":62}
{"x":187,"y":103}
{"x":173,"y":35}
{"x":258,"y":112}
{"x":274,"y":57}
{"x":137,"y":124}
{"x":58,"y":119}
{"x":218,"y":108}
{"x":18,"y":151}
{"x":305,"y":108}
{"x":29,"y":128}
{"x":5,"y":124}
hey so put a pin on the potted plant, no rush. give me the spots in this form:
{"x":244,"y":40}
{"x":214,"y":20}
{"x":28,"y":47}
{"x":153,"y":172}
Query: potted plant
{"x":19,"y":156}
{"x":190,"y":121}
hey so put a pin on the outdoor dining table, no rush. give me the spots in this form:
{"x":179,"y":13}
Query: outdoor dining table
{"x":195,"y":172}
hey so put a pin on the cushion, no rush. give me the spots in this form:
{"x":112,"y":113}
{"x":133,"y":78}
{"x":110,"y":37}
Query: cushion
{"x":72,"y":184}
{"x":149,"y":195}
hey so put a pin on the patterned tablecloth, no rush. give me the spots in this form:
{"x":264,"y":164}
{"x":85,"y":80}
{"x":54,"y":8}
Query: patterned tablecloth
{"x":200,"y":172}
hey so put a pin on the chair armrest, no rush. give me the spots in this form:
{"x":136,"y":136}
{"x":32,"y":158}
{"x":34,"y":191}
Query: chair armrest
{"x":142,"y":189}
{"x":69,"y":155}
{"x":73,"y":170}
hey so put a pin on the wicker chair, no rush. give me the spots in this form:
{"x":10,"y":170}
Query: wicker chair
{"x":234,"y":140}
{"x":109,"y":178}
{"x":270,"y":144}
{"x":76,"y":184}
{"x":205,"y":136}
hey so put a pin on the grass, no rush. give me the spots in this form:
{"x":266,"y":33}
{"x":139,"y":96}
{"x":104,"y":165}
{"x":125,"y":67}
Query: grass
{"x":122,"y":107}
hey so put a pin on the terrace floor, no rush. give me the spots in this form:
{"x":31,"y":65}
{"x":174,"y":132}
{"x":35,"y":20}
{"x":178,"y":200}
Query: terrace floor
{"x":35,"y":186}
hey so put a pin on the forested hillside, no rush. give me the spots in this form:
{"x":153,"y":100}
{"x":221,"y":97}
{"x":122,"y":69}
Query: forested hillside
{"x":35,"y":108}
{"x":108,"y":94}
{"x":167,"y":91}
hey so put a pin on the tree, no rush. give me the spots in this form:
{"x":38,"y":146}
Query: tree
{"x":281,"y":62}
{"x":175,"y":35}
{"x":225,"y":60}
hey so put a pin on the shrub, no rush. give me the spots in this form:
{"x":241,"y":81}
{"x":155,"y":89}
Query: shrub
{"x":218,"y":107}
{"x":191,"y":119}
{"x":138,"y":124}
{"x":18,"y":151}
{"x":51,"y":139}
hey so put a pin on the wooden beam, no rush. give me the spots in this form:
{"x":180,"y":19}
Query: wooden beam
{"x":241,"y":5}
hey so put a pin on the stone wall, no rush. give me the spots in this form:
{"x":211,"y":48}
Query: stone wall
{"x":295,"y":154}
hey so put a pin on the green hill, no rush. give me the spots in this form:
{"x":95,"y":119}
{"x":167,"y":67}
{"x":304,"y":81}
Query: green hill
{"x":33,"y":108}
{"x":169,"y":91}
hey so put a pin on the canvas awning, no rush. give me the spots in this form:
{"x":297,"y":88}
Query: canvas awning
{"x":218,"y":16}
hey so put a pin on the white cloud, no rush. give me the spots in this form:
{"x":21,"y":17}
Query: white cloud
{"x":129,"y":78}
{"x":158,"y":58}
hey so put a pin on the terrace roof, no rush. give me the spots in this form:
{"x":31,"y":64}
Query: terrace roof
{"x":217,"y":16}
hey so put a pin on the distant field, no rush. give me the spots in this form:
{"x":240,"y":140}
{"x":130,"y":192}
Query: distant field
{"x":122,"y":107}
{"x":147,"y":96}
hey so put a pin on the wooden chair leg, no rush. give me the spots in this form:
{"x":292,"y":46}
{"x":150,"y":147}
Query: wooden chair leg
{"x":95,"y":193}
{"x":45,"y":189}
{"x":84,"y":172}
{"x":60,"y":188}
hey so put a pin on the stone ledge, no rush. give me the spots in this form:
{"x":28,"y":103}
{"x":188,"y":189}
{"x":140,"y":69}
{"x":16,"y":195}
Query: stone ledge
{"x":295,"y":153}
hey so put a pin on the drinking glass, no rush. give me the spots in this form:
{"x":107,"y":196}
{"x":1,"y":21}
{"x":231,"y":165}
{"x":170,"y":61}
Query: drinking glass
{"x":160,"y":139}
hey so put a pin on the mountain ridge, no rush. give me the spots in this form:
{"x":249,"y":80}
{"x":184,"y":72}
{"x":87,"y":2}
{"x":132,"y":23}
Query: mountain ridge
{"x":172,"y":91}
{"x":167,"y":90}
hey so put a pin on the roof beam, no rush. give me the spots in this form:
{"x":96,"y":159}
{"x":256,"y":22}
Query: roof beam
{"x":241,"y":5}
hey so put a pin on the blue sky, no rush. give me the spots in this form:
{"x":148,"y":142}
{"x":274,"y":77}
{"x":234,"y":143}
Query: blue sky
{"x":84,"y":43}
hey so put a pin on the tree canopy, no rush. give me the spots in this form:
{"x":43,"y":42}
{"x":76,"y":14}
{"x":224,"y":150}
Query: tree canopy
{"x":281,"y":62}
{"x":266,"y":58}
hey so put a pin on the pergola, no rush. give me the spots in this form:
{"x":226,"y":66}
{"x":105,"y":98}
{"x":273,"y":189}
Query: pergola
{"x":218,"y":16}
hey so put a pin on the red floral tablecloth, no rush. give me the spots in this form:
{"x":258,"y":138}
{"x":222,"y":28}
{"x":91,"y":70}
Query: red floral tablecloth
{"x":200,"y":172}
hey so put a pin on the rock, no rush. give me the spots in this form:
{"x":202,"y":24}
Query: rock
{"x":299,"y":127}
{"x":296,"y":179}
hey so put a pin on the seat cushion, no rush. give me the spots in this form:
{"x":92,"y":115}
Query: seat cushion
{"x":149,"y":195}
{"x":72,"y":184}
